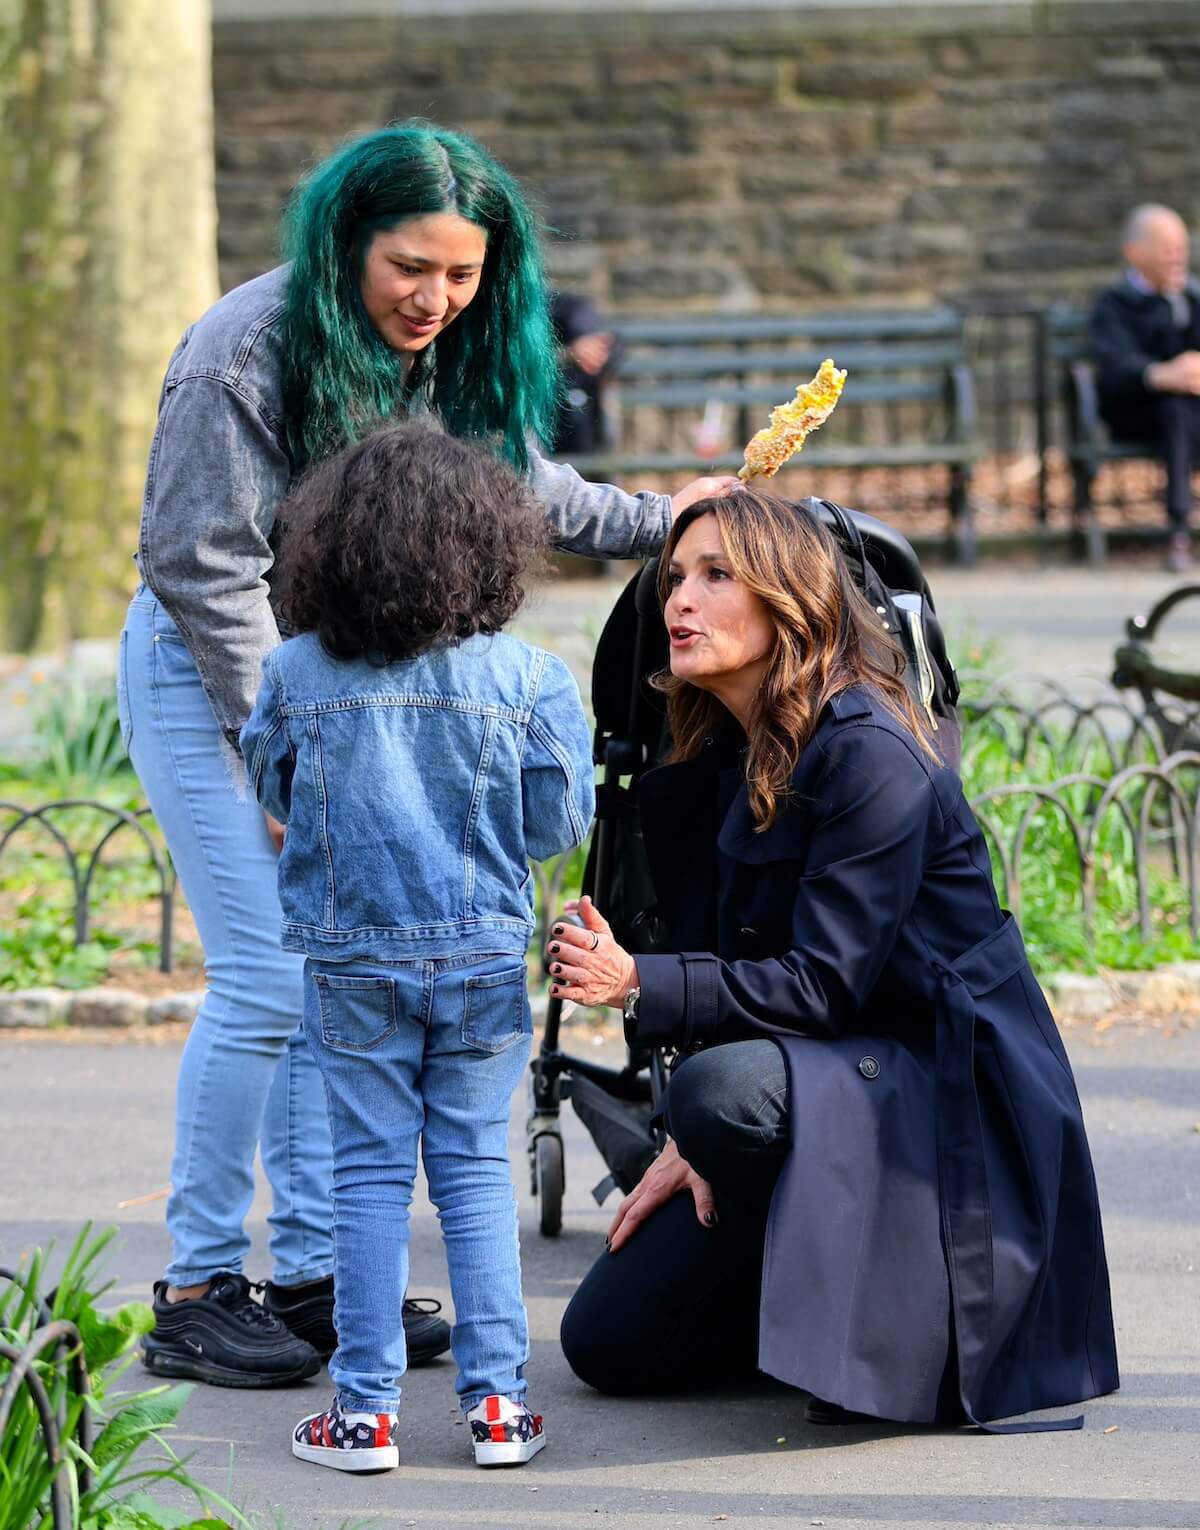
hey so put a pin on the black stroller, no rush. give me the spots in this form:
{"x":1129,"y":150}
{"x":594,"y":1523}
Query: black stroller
{"x":617,"y":1104}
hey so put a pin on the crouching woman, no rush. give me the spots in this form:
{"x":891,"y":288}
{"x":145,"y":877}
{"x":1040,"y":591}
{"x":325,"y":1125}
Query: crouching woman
{"x":877,"y":1185}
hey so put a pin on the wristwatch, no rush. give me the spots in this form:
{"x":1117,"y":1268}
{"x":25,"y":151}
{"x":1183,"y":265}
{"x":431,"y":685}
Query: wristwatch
{"x":629,"y":1006}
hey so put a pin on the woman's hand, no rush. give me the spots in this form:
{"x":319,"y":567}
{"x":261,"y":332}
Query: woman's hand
{"x":664,"y":1179}
{"x":276,"y":830}
{"x":702,"y":488}
{"x":587,"y":965}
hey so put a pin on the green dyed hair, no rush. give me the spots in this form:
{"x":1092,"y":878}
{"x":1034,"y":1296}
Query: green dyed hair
{"x":492,"y":375}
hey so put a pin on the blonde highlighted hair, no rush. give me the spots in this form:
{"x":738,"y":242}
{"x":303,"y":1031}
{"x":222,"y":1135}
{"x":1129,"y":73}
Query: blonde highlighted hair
{"x":827,"y":638}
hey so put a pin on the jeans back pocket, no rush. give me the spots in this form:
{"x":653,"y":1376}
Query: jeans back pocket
{"x":496,"y":1009}
{"x":357,"y":1013}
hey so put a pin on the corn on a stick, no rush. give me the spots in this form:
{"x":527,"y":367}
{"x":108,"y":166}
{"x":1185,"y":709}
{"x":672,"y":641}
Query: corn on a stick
{"x":792,"y":422}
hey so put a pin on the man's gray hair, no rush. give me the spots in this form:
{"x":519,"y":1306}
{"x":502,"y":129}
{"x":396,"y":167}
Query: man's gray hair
{"x":1137,"y":223}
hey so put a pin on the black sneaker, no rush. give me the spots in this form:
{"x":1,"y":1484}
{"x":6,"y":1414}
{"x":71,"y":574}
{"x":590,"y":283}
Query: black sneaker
{"x":308,"y":1312}
{"x":225,"y":1338}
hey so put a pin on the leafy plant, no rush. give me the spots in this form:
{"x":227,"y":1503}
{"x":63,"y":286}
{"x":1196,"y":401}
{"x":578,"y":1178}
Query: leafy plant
{"x":38,"y":949}
{"x":108,"y":1484}
{"x":77,"y":733}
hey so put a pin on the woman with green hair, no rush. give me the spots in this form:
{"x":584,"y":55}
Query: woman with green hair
{"x":413,"y":284}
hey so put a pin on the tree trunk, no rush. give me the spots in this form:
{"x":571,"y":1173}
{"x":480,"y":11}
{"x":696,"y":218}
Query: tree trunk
{"x":107,"y":252}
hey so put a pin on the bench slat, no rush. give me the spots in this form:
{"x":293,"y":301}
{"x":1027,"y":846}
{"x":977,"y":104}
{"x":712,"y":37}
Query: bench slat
{"x":714,"y":363}
{"x":731,"y":327}
{"x":682,"y":395}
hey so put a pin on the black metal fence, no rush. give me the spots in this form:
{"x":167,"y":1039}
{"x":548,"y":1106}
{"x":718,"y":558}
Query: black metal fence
{"x":81,"y":865}
{"x":1089,"y":760}
{"x":63,"y":1341}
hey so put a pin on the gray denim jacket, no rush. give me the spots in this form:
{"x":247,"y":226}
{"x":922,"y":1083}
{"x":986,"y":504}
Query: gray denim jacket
{"x":218,"y":469}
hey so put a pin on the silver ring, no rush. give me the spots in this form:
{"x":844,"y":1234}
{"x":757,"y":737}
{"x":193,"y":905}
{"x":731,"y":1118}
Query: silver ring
{"x":595,"y":940}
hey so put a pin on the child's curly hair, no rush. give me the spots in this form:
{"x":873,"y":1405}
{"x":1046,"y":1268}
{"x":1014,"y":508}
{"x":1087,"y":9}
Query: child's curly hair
{"x":406,"y":540}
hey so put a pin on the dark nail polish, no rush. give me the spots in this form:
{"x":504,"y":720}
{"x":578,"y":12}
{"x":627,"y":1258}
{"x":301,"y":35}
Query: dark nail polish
{"x":710,"y":1219}
{"x":554,"y":950}
{"x":556,"y":968}
{"x":608,"y":1244}
{"x":557,"y":930}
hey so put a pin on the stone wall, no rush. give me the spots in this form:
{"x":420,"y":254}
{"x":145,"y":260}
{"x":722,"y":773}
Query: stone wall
{"x":749,"y":159}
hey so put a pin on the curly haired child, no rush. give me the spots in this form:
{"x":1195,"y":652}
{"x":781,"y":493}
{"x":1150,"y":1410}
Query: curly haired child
{"x":418,"y":756}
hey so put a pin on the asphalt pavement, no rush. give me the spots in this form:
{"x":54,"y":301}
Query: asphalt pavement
{"x":86,"y":1125}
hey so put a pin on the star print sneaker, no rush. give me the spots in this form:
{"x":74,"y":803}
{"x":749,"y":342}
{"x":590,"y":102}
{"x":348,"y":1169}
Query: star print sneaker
{"x":505,"y":1433}
{"x":349,"y":1442}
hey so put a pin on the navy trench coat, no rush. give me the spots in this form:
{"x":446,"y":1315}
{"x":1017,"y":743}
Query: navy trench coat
{"x":934,"y":1250}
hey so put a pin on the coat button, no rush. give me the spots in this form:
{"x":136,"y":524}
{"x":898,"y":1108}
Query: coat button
{"x":869,"y":1068}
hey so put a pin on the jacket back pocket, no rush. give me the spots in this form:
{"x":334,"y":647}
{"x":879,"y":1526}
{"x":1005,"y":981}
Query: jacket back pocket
{"x":496,"y":1009}
{"x":357,"y":1013}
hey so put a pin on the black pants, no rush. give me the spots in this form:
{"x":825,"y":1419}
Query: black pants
{"x":677,"y":1307}
{"x":1171,"y":422}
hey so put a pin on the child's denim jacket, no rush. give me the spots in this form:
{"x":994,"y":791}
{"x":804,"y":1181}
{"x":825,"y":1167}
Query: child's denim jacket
{"x":416,"y":793}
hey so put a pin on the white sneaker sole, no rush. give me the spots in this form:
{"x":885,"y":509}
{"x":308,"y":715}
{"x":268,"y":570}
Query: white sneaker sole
{"x":379,"y":1458}
{"x":511,"y":1453}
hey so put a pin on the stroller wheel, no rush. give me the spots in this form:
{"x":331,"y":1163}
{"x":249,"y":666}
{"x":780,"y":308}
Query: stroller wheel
{"x":549,"y":1182}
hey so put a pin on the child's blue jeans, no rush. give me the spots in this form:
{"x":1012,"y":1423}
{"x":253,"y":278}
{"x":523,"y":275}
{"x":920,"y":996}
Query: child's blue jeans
{"x":427,"y":1051}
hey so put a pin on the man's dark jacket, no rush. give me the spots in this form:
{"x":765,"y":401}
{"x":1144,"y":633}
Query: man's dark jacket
{"x":934,"y":1249}
{"x":1129,"y":330}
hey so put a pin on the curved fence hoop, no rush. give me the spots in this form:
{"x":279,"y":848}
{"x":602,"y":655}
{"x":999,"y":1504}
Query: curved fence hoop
{"x":1001,"y":685}
{"x":54,"y":1335}
{"x":82,"y":882}
{"x":36,"y":816}
{"x":1092,"y":714}
{"x":74,"y":1355}
{"x":1161,"y":775}
{"x":1044,"y":796}
{"x":60,"y":1498}
{"x":1024,"y":721}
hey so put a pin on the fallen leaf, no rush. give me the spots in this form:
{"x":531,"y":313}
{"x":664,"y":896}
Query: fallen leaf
{"x":782,"y":1440}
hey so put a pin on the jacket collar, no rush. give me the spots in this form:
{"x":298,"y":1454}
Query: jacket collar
{"x":707,"y":795}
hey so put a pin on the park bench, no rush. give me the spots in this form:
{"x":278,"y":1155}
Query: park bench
{"x":1089,"y":447}
{"x":909,"y":401}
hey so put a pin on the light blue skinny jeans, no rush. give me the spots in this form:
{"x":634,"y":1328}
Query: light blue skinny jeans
{"x":247,"y":1077}
{"x":426,"y":1051}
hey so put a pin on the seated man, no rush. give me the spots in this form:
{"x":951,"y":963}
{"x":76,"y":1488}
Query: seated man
{"x":589,"y":356}
{"x":1145,"y":334}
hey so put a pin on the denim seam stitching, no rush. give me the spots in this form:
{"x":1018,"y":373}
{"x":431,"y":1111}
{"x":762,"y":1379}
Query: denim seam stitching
{"x":323,"y":798}
{"x":486,"y":750}
{"x":165,"y":733}
{"x":769,"y":1101}
{"x":406,"y":699}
